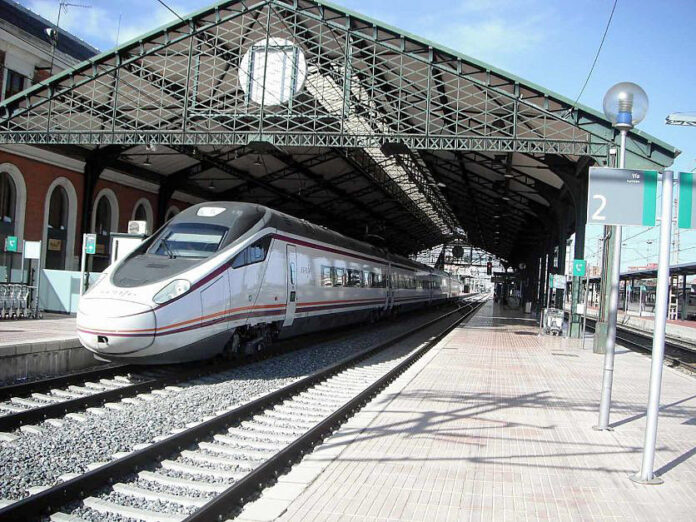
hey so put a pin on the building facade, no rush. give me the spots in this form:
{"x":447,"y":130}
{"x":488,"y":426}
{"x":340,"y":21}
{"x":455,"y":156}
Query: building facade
{"x":41,"y":191}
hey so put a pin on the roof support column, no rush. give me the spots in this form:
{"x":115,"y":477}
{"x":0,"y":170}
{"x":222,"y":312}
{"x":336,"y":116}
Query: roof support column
{"x":580,"y":200}
{"x":95,"y":163}
{"x":165,"y":193}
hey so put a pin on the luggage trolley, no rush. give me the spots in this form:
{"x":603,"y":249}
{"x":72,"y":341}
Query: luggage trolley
{"x":553,"y":321}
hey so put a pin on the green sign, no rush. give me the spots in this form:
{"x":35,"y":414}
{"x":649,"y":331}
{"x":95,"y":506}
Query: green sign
{"x":579,"y":267}
{"x":687,"y":216}
{"x":11,"y":244}
{"x":622,"y":197}
{"x":90,"y":243}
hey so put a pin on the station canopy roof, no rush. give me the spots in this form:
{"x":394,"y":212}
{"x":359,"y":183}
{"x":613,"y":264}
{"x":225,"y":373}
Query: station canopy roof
{"x":329,"y":115}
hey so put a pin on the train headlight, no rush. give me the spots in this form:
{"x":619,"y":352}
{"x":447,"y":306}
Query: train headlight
{"x":171,"y":291}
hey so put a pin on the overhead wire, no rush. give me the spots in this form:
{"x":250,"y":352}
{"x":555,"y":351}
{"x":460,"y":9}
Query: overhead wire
{"x":599,"y":50}
{"x":171,"y":10}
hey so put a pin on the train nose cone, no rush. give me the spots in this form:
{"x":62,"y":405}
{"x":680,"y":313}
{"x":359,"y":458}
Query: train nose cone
{"x":112,"y":327}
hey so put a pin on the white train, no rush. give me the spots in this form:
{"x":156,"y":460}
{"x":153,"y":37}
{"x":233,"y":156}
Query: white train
{"x":231,"y":277}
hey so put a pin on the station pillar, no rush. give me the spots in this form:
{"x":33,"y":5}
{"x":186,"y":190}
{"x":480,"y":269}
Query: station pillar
{"x":579,"y":252}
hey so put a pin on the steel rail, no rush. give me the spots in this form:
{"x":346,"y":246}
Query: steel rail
{"x":27,"y":388}
{"x":13,"y":421}
{"x":42,"y":503}
{"x":643,"y":342}
{"x":256,"y":480}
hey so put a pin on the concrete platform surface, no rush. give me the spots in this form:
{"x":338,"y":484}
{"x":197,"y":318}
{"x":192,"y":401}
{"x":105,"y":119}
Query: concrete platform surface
{"x":40,"y":348}
{"x":52,"y":327}
{"x":495,"y":423}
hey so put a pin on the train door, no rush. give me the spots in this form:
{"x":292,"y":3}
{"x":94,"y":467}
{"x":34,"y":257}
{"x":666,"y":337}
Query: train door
{"x":291,"y":302}
{"x":389,"y":283}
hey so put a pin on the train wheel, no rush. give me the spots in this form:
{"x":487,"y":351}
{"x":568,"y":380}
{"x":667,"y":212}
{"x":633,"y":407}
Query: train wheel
{"x":232,"y":349}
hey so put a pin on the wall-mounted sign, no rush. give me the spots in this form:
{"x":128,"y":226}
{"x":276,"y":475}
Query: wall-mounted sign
{"x":90,"y":243}
{"x":32,"y":250}
{"x":11,"y":244}
{"x":622,"y":197}
{"x":54,"y":245}
{"x":579,"y":267}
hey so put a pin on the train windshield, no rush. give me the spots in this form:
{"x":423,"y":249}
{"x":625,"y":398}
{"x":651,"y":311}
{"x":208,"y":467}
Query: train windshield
{"x":191,"y":240}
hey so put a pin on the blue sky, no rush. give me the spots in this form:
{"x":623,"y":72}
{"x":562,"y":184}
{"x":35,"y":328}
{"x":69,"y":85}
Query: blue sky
{"x":551,"y":43}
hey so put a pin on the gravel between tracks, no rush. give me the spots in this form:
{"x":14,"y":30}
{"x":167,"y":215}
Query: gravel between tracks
{"x":39,"y":460}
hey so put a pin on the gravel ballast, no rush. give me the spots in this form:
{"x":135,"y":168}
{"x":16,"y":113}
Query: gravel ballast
{"x":39,"y":460}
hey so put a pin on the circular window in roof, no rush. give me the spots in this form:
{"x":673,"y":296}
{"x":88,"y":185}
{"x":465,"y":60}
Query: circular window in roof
{"x":285,"y":70}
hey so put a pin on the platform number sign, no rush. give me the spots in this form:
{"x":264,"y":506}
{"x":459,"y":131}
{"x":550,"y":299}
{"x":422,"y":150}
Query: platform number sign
{"x":579,"y":267}
{"x":622,"y":197}
{"x":90,"y":243}
{"x":11,"y":244}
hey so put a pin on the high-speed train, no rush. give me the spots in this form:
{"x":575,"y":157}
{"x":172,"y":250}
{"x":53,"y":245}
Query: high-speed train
{"x":229,"y":278}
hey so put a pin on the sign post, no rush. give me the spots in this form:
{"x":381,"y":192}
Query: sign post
{"x":89,"y":246}
{"x":646,"y":474}
{"x":618,"y":197}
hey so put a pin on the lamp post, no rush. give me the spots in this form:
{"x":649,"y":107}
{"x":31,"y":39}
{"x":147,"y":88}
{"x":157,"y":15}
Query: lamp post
{"x":625,"y":105}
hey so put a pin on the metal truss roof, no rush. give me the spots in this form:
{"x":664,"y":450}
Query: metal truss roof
{"x":371,"y":129}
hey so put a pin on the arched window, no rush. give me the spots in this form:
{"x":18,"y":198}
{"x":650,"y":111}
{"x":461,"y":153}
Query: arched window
{"x":171,"y":212}
{"x":103,"y":224}
{"x":8,"y":209}
{"x":142,"y":211}
{"x":59,"y":225}
{"x":8,"y":203}
{"x":57,"y":229}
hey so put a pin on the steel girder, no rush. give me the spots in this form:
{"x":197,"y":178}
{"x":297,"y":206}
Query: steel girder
{"x":366,"y":86}
{"x":178,"y":85}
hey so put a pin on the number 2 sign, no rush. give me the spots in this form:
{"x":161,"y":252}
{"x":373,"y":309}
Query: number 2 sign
{"x":622,"y":197}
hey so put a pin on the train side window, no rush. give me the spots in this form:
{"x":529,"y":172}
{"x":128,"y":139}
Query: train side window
{"x":253,"y":253}
{"x":240,"y":259}
{"x":339,"y":277}
{"x":367,"y":279}
{"x":259,"y":250}
{"x":354,"y":278}
{"x":377,"y":281}
{"x":326,"y":276}
{"x":292,"y":273}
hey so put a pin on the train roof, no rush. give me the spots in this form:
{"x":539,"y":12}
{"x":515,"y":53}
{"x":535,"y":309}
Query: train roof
{"x":291,"y":225}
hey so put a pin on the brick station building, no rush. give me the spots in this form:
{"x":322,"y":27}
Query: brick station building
{"x":42,"y":193}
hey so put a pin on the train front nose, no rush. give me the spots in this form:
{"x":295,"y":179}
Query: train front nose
{"x":110,"y":327}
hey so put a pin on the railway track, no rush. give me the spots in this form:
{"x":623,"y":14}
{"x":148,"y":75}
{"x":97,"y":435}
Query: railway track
{"x":26,"y":404}
{"x":676,"y":355}
{"x":208,"y":469}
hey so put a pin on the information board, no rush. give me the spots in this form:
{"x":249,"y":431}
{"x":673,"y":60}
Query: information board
{"x":622,"y":197}
{"x":32,"y":250}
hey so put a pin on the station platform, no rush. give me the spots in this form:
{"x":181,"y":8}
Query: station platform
{"x":40,"y":347}
{"x":495,"y":423}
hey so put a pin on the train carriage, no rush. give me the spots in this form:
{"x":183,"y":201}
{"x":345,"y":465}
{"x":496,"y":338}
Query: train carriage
{"x":232,"y":277}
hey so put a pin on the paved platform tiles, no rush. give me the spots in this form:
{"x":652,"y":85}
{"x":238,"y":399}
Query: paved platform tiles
{"x":53,"y":327}
{"x":495,"y":423}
